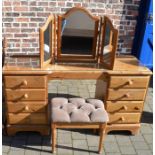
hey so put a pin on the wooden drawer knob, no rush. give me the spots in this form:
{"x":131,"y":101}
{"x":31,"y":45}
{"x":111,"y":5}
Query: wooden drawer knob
{"x":125,"y":107}
{"x":26,"y":108}
{"x":122,"y":119}
{"x":127,"y":95}
{"x":26,"y":96}
{"x":130,"y":82}
{"x":137,"y":108}
{"x":24,"y":83}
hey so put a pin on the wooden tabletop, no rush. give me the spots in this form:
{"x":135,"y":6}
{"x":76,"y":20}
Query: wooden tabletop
{"x":123,"y":65}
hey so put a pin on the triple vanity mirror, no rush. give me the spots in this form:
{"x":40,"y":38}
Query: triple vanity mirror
{"x":78,"y":37}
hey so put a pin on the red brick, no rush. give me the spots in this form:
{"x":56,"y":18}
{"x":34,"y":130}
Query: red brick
{"x":42,"y":3}
{"x":7,"y":19}
{"x":61,"y":3}
{"x":15,"y":3}
{"x":17,"y":45}
{"x":6,"y":3}
{"x":13,"y":14}
{"x":54,"y":9}
{"x":133,"y":12}
{"x":33,"y":3}
{"x":109,"y":11}
{"x":25,"y":45}
{"x":32,"y":24}
{"x":69,"y":4}
{"x":36,"y":8}
{"x":52,"y":4}
{"x":21,"y":35}
{"x":7,"y":25}
{"x":29,"y":14}
{"x":131,"y":33}
{"x":7,"y":9}
{"x":77,"y":4}
{"x":13,"y":40}
{"x":35,"y":45}
{"x":116,"y":22}
{"x":13,"y":50}
{"x":16,"y":24}
{"x":24,"y":2}
{"x":37,"y":19}
{"x":36,"y":35}
{"x":132,"y":7}
{"x":42,"y":14}
{"x":22,"y":19}
{"x":21,"y":9}
{"x":29,"y":40}
{"x":8,"y":35}
{"x":24,"y":25}
{"x":28,"y":30}
{"x":12,"y":30}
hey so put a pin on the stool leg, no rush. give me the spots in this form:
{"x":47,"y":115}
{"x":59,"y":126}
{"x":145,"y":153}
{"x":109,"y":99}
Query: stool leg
{"x":53,"y":137}
{"x":102,"y":136}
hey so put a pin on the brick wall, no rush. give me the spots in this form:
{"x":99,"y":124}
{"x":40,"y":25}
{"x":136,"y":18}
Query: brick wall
{"x":22,"y":19}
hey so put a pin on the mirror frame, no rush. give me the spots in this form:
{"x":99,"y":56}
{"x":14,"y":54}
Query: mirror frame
{"x":113,"y":41}
{"x":51,"y":19}
{"x":77,"y":57}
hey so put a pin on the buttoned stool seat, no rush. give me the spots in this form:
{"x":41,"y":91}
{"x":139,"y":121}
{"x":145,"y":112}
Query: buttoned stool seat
{"x":78,"y":113}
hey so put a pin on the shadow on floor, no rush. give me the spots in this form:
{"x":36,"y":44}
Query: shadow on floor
{"x":147,"y":117}
{"x":21,"y":141}
{"x":151,"y":82}
{"x":75,"y":149}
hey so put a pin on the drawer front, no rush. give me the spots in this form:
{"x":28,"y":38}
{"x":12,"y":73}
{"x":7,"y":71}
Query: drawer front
{"x":26,"y":95}
{"x":26,"y":107}
{"x":124,"y":106}
{"x":27,"y":118}
{"x":16,"y":82}
{"x":126,"y":94}
{"x":129,"y":81}
{"x":120,"y":118}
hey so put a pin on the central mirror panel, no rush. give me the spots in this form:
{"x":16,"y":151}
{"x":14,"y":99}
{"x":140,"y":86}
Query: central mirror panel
{"x":77,"y":34}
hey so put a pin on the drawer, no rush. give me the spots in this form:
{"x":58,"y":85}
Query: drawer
{"x":126,"y":94}
{"x":120,"y":118}
{"x":16,"y":82}
{"x":26,"y":95}
{"x":26,"y":107}
{"x":124,"y":106}
{"x":27,"y":118}
{"x":128,"y":82}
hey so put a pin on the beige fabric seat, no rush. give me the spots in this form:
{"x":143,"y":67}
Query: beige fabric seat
{"x":78,"y":113}
{"x":78,"y":110}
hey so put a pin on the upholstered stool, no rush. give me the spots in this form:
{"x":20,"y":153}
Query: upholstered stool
{"x":78,"y":113}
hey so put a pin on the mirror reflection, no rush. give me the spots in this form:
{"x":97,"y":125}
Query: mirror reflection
{"x":47,"y":40}
{"x":77,"y":34}
{"x":107,"y":45}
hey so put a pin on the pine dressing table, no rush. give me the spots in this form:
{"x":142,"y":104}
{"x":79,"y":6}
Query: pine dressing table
{"x":27,"y":103}
{"x":26,"y":92}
